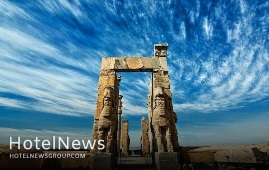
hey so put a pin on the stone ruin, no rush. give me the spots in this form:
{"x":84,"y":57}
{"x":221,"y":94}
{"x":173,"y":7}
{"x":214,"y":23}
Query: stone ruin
{"x":144,"y":137}
{"x":125,"y":139}
{"x":162,"y":118}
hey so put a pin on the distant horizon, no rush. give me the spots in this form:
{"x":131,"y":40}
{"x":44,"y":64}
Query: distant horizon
{"x":134,"y":120}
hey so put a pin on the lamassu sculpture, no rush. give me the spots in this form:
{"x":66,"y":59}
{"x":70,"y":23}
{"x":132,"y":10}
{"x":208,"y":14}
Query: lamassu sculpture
{"x":161,"y":122}
{"x":107,"y":123}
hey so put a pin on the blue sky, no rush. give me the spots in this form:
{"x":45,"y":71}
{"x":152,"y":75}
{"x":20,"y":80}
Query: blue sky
{"x":218,"y":58}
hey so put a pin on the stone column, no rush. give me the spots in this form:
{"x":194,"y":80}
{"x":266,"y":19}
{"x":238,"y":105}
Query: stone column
{"x":163,"y":131}
{"x":105,"y":118}
{"x":125,"y":141}
{"x":119,"y":123}
{"x":144,"y":137}
{"x":162,"y":116}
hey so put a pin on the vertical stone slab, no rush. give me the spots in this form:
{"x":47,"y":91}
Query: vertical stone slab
{"x":161,"y":115}
{"x":152,"y":139}
{"x":108,"y":94}
{"x":125,"y":141}
{"x":119,"y":123}
{"x":144,"y":137}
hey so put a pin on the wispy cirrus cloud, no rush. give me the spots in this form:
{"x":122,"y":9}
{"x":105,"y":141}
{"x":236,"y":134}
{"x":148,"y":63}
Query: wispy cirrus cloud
{"x":10,"y":11}
{"x":55,"y":79}
{"x":54,"y":90}
{"x":228,"y":81}
{"x":73,"y":7}
{"x":36,"y":68}
{"x":208,"y":28}
{"x":53,"y":55}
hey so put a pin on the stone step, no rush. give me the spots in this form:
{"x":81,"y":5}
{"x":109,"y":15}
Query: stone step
{"x":138,"y":163}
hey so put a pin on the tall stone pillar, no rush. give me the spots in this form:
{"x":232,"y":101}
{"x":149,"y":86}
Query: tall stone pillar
{"x":125,"y":140}
{"x":106,"y":118}
{"x":119,"y":123}
{"x":161,"y":114}
{"x":162,"y":117}
{"x":144,"y":137}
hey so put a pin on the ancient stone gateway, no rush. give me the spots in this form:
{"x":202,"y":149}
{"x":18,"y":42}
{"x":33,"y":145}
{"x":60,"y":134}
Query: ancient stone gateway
{"x":162,"y":118}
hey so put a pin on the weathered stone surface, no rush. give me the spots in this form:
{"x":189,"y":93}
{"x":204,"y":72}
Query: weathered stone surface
{"x":247,"y":154}
{"x":164,"y":136}
{"x":163,"y":64}
{"x":198,"y":157}
{"x":161,"y":122}
{"x":106,"y":117}
{"x":125,"y":140}
{"x":101,"y":161}
{"x":150,"y":63}
{"x":131,"y":64}
{"x":166,"y":160}
{"x":160,"y":50}
{"x":239,"y":155}
{"x":106,"y":63}
{"x":134,"y":63}
{"x":119,"y":122}
{"x":144,"y":137}
{"x":106,"y":79}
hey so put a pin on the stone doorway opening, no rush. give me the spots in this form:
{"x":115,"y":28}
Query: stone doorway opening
{"x":134,"y":88}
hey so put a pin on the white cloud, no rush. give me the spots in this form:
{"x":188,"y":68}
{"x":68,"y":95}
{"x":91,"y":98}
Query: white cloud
{"x":19,"y":46}
{"x":233,"y":34}
{"x":73,"y":8}
{"x":243,"y":6}
{"x":183,"y":30}
{"x":11,"y":103}
{"x":10,"y":11}
{"x":208,"y":28}
{"x":234,"y":81}
{"x":55,"y":90}
{"x":63,"y":6}
{"x":32,"y":66}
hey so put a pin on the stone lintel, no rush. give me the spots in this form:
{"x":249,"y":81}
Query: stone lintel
{"x":131,"y":64}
